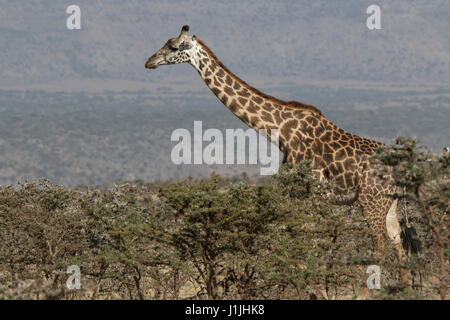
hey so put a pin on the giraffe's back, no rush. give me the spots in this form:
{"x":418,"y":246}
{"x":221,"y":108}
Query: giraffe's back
{"x":342,"y":156}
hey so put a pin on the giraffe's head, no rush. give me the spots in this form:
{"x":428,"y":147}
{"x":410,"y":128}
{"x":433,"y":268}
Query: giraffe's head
{"x":176,"y":50}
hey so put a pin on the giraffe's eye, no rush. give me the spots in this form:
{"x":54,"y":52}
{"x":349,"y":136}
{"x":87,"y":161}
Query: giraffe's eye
{"x":172,"y":48}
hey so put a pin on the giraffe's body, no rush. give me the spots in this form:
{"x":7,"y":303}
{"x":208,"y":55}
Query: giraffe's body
{"x":304,"y":133}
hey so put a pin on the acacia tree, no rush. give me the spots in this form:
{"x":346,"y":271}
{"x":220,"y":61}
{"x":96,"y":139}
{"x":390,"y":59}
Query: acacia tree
{"x":423,"y":179}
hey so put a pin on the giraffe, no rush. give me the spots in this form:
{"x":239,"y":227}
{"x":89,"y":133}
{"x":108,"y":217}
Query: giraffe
{"x":304,"y":134}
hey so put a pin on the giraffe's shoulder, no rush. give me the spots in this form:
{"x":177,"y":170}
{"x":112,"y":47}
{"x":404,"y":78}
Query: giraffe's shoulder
{"x":303,"y":106}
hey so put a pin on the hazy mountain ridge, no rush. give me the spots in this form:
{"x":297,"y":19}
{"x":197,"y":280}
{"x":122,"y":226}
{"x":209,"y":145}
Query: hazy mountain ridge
{"x":95,"y":139}
{"x":78,"y":107}
{"x":319,"y":41}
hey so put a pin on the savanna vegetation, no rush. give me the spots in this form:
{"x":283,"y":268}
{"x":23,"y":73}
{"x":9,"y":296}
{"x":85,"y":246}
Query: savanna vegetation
{"x":219,"y":238}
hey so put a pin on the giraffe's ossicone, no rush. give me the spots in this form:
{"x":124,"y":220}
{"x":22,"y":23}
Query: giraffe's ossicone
{"x":304,"y":133}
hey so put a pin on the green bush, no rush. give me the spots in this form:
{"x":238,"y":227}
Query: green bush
{"x":216,"y":238}
{"x":423,"y":180}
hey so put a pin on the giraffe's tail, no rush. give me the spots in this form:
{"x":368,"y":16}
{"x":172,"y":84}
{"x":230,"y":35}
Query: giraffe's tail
{"x":410,"y":240}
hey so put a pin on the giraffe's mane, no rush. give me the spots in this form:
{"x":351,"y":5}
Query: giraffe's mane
{"x":294,"y":104}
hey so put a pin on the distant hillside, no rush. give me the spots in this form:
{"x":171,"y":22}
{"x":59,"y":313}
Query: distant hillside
{"x":78,"y":107}
{"x":77,"y":139}
{"x":313,"y":40}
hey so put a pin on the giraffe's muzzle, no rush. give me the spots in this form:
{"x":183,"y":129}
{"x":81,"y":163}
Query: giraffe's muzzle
{"x":150,"y":64}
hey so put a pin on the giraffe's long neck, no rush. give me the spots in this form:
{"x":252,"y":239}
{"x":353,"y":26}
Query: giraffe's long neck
{"x":232,"y":91}
{"x":304,"y":133}
{"x":254,"y":108}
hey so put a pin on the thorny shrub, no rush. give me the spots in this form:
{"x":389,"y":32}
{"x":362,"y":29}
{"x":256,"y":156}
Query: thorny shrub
{"x":216,"y":238}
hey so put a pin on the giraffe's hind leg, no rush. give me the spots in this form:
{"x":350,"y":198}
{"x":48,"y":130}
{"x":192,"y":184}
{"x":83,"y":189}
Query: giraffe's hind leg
{"x":381,"y":213}
{"x":394,"y":230}
{"x":376,"y":211}
{"x":392,"y":225}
